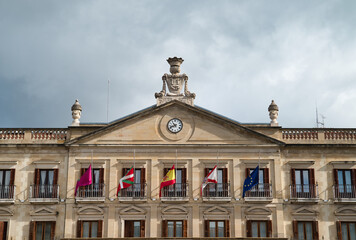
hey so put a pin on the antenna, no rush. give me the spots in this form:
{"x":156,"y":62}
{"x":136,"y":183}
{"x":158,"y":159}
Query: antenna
{"x":322,"y":123}
{"x":107,"y":102}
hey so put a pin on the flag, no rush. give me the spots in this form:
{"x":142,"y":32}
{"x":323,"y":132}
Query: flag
{"x":251,"y":180}
{"x":212,"y":177}
{"x":84,"y":180}
{"x":169,"y":179}
{"x":126,"y":181}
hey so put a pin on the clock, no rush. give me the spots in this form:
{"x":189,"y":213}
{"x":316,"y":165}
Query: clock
{"x":175,"y":125}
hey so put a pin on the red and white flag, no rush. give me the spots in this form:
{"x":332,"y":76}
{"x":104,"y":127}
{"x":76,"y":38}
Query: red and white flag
{"x":212,"y":177}
{"x":126,"y":181}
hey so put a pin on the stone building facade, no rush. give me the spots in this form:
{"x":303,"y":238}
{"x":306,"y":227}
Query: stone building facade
{"x":306,"y":186}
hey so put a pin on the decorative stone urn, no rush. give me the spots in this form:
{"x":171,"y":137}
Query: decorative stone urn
{"x":273,"y":113}
{"x":174,"y":81}
{"x":76,"y":113}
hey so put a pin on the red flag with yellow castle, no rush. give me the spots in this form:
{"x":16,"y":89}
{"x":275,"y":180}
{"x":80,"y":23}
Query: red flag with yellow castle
{"x":169,"y":179}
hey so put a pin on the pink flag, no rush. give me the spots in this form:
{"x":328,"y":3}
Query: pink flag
{"x":84,"y":180}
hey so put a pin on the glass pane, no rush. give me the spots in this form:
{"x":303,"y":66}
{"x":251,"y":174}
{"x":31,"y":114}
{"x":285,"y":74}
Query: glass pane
{"x":39,"y":227}
{"x":1,"y":177}
{"x":47,"y":234}
{"x":352,"y":229}
{"x":220,"y":176}
{"x":260,"y":176}
{"x":341,"y":180}
{"x":137,"y":229}
{"x":85,"y":229}
{"x":179,"y":176}
{"x":212,"y":229}
{"x":344,"y":231}
{"x":298,"y":179}
{"x":254,"y":227}
{"x":50,"y":177}
{"x":96,"y":176}
{"x":179,"y":229}
{"x":94,"y":229}
{"x":137,"y":175}
{"x":263,"y":229}
{"x":348,"y":177}
{"x":7,"y":178}
{"x":43,"y":174}
{"x":170,"y":229}
{"x":309,"y":231}
{"x":306,"y":180}
{"x":300,"y":231}
{"x":221,"y":229}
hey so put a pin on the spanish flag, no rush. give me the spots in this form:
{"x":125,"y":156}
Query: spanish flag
{"x":169,"y":179}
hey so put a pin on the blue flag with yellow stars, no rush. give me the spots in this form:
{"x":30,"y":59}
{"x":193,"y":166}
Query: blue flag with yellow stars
{"x":251,"y":180}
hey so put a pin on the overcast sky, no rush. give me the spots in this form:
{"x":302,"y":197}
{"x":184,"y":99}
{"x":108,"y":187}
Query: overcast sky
{"x":238,"y":55}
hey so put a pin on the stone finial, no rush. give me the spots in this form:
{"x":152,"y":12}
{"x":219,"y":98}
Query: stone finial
{"x":76,"y":113}
{"x":273,"y":113}
{"x":174,"y":82}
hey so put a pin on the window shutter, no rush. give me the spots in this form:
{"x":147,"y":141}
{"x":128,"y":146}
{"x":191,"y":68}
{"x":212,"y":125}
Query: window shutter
{"x":265,"y":175}
{"x":224,"y":175}
{"x":295,"y":229}
{"x":185,"y":228}
{"x":128,"y":227}
{"x":292,"y":174}
{"x":143,"y":175}
{"x":247,"y":172}
{"x":32,"y":230}
{"x":53,"y":229}
{"x":315,"y":230}
{"x":338,"y":228}
{"x":206,"y":228}
{"x":2,"y":228}
{"x":100,"y":228}
{"x":12,"y":176}
{"x":312,"y":182}
{"x":165,"y":171}
{"x":184,"y":175}
{"x":142,"y":226}
{"x":206,"y":172}
{"x":227,"y":228}
{"x":353,"y":178}
{"x":336,"y":179}
{"x":79,"y":228}
{"x":55,"y":176}
{"x":124,"y":171}
{"x":82,"y":171}
{"x":248,"y":228}
{"x":164,"y":227}
{"x":101,"y":175}
{"x":37,"y":176}
{"x":269,"y":228}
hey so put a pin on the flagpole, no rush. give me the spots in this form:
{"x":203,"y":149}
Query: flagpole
{"x":92,"y":172}
{"x":134,"y":168}
{"x":217,"y":158}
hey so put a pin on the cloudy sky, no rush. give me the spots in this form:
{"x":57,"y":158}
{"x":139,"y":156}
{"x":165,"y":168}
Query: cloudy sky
{"x":239,"y":55}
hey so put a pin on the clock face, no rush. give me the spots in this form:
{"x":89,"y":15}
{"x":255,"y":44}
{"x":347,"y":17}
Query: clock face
{"x":175,"y":125}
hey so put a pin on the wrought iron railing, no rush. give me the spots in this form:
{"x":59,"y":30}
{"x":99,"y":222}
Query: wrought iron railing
{"x":136,"y":190}
{"x":344,"y":191}
{"x":91,"y":191}
{"x":7,"y":192}
{"x":261,"y":190}
{"x":44,"y":191}
{"x":217,"y":190}
{"x":304,"y":191}
{"x":176,"y":190}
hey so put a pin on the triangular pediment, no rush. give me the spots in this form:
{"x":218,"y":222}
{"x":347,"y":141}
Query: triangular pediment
{"x":216,"y":211}
{"x":304,"y":211}
{"x":258,"y":211}
{"x":90,"y":210}
{"x":43,"y":211}
{"x":132,"y":210}
{"x":174,"y":210}
{"x":150,"y":126}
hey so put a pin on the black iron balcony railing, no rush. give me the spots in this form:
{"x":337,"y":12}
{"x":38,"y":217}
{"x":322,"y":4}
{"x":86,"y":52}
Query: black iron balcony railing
{"x":136,"y":190}
{"x":7,"y":192}
{"x":217,"y":190}
{"x":177,"y":190}
{"x":261,"y":190}
{"x":304,"y":191}
{"x":44,"y":191}
{"x":344,"y":191}
{"x":96,"y":190}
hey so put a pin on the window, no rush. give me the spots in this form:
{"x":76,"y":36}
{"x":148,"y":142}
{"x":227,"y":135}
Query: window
{"x":174,"y":228}
{"x":221,"y":189}
{"x":42,"y":230}
{"x":345,"y":182}
{"x":179,"y":189}
{"x":135,"y":228}
{"x":346,"y":230}
{"x":259,"y":228}
{"x":89,"y":229}
{"x":7,"y":178}
{"x":305,"y":230}
{"x":139,"y":186}
{"x":97,"y":187}
{"x":217,"y":228}
{"x":3,"y":230}
{"x":45,"y":183}
{"x":303,"y":183}
{"x":262,"y":189}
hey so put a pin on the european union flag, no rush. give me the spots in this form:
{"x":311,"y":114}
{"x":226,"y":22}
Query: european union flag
{"x":251,"y":180}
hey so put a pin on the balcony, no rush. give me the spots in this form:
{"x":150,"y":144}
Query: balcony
{"x":44,"y":193}
{"x":304,"y":193}
{"x":175,"y":193}
{"x":261,"y":192}
{"x":91,"y":193}
{"x":136,"y":192}
{"x":217,"y":192}
{"x":344,"y":193}
{"x":7,"y":194}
